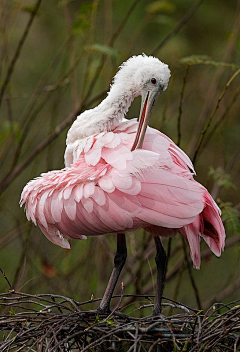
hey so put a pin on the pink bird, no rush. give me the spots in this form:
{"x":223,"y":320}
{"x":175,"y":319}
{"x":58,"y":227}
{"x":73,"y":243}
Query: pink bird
{"x":122,"y":175}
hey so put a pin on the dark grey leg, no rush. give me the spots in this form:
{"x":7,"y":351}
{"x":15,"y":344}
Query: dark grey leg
{"x":119,"y":261}
{"x":161,"y":262}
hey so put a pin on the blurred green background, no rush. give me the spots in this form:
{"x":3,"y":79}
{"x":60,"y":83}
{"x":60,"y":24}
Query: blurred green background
{"x":64,"y":65}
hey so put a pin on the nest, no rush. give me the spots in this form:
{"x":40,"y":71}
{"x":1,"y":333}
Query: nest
{"x":50,"y":323}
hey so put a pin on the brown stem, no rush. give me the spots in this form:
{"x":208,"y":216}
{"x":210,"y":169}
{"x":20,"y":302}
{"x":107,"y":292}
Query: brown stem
{"x":19,"y":48}
{"x":200,"y":141}
{"x":180,"y":105}
{"x":111,"y":43}
{"x":194,"y":286}
{"x":180,"y":24}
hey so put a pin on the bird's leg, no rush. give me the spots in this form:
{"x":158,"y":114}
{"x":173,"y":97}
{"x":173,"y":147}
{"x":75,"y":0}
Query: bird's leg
{"x":119,"y":261}
{"x":161,"y":262}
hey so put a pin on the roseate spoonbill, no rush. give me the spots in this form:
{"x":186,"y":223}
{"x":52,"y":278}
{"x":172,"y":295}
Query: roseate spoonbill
{"x":121,"y":175}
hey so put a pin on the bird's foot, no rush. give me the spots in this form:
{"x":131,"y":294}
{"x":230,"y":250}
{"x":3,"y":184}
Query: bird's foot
{"x":103,"y":311}
{"x":157,"y":311}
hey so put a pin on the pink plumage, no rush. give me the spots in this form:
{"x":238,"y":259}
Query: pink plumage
{"x":113,"y":189}
{"x":121,"y":176}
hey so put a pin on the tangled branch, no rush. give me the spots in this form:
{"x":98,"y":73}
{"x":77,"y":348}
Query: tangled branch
{"x":50,"y":322}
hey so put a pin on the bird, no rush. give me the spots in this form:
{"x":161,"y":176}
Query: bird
{"x":121,"y":175}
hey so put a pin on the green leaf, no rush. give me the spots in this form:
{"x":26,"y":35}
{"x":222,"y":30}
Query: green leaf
{"x":205,"y":60}
{"x":175,"y":346}
{"x":97,"y":319}
{"x":83,"y":19}
{"x":12,"y":312}
{"x":185,"y":346}
{"x":26,"y":323}
{"x":161,"y":6}
{"x":222,"y":179}
{"x":230,"y":217}
{"x":8,"y":130}
{"x":164,"y":20}
{"x":30,"y":9}
{"x":104,"y":49}
{"x":111,"y":322}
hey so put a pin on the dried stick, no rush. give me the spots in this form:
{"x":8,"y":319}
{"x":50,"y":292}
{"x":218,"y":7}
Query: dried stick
{"x":5,"y":277}
{"x":57,"y":326}
{"x":221,"y":296}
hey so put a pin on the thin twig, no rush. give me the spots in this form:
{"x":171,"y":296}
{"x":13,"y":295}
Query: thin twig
{"x":14,"y":172}
{"x":191,"y":276}
{"x":10,"y":177}
{"x":180,"y":24}
{"x":213,"y":114}
{"x":180,"y":105}
{"x":111,"y":43}
{"x":123,"y":23}
{"x":5,"y":277}
{"x":19,"y":48}
{"x":221,"y":119}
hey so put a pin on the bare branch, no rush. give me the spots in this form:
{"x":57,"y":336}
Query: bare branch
{"x":179,"y":26}
{"x":10,"y":177}
{"x":213,"y":114}
{"x":180,"y":105}
{"x":111,"y":43}
{"x":19,"y":48}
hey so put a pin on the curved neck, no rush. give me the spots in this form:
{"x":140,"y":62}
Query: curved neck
{"x":104,"y":117}
{"x":116,"y":104}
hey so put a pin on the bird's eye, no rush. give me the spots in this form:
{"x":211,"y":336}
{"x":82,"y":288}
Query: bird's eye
{"x":153,"y":80}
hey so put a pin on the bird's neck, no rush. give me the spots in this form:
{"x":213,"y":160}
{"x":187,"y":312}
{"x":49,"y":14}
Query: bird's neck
{"x":115,"y":106}
{"x":104,"y":117}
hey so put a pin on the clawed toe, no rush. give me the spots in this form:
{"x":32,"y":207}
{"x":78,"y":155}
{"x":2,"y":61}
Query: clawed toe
{"x":103,"y":311}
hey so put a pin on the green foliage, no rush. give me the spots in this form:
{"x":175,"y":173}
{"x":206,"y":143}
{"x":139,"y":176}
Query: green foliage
{"x":9,"y":130}
{"x":108,"y":321}
{"x":97,"y":319}
{"x":222,"y":179}
{"x":82,"y":22}
{"x":185,"y":347}
{"x":205,"y":60}
{"x":164,"y":20}
{"x":161,"y":6}
{"x":12,"y":312}
{"x":103,"y":49}
{"x":175,"y":347}
{"x":29,"y":9}
{"x":65,"y":2}
{"x":230,"y":216}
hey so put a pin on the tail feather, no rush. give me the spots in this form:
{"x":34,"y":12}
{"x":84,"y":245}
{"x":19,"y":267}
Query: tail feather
{"x":213,"y":233}
{"x":191,"y":234}
{"x":207,"y":225}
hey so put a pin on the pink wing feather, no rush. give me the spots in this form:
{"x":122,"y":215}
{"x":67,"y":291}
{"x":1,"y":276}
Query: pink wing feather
{"x":109,"y":188}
